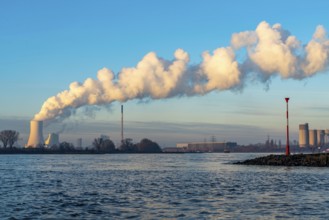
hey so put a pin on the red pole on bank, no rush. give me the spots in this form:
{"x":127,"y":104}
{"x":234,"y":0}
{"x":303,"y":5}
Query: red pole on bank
{"x":287,"y":146}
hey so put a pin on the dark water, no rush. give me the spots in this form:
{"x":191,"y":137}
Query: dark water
{"x":158,"y":186}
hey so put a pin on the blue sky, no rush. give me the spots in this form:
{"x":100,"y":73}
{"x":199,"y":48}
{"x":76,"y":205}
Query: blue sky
{"x":46,"y":45}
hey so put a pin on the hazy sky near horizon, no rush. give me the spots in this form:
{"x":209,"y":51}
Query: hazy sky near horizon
{"x":47,"y":45}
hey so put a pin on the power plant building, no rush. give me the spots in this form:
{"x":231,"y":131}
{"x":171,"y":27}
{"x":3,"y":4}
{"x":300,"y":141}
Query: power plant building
{"x":312,"y":138}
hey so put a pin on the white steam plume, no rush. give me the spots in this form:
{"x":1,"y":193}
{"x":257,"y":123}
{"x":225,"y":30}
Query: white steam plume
{"x":271,"y":51}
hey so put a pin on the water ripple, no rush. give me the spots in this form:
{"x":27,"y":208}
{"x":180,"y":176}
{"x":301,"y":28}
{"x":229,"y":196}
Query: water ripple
{"x":187,"y":186}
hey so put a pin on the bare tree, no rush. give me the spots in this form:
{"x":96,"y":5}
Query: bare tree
{"x":65,"y":146}
{"x":8,"y":137}
{"x":107,"y":146}
{"x":98,"y":143}
{"x":104,"y":145}
{"x":127,"y":145}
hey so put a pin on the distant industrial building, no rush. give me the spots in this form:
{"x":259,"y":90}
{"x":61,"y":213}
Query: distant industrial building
{"x":206,"y":146}
{"x":312,"y":138}
{"x":182,"y":145}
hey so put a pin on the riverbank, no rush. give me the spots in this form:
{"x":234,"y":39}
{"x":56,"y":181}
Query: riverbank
{"x":310,"y":160}
{"x":71,"y":151}
{"x":45,"y":151}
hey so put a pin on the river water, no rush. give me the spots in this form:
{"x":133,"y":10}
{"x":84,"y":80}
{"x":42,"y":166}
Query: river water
{"x":158,"y":186}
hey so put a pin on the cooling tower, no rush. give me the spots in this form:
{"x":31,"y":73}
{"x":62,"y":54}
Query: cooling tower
{"x":313,"y":138}
{"x":36,"y":136}
{"x":321,"y":134}
{"x":52,"y":140}
{"x":303,"y":135}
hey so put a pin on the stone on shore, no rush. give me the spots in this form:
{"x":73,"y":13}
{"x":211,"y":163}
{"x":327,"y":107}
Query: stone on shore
{"x":310,"y":160}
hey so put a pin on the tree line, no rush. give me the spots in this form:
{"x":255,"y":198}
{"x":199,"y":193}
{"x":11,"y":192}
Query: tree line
{"x":8,"y":138}
{"x":127,"y":146}
{"x":100,"y":145}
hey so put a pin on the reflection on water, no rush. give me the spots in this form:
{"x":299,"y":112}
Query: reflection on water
{"x":155,"y":186}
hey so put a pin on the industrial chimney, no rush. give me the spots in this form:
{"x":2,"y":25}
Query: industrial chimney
{"x":36,"y":136}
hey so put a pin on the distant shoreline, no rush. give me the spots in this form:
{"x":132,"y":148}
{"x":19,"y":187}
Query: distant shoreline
{"x":58,"y":151}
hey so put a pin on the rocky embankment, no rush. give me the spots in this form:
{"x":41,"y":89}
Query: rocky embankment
{"x":310,"y":160}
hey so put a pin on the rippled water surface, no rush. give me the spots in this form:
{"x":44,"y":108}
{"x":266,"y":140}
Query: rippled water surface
{"x":158,"y":186}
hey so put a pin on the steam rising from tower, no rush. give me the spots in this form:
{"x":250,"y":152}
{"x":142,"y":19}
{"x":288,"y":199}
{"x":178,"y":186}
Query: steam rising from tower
{"x":36,"y":136}
{"x":269,"y":51}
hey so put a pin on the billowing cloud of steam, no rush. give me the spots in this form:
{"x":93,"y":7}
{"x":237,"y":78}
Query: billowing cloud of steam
{"x":270,"y":51}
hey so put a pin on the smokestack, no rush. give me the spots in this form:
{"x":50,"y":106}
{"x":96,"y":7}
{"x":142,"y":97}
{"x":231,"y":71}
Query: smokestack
{"x":121,"y":123}
{"x":36,"y":136}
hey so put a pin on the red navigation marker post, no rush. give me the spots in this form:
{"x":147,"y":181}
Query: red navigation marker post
{"x":287,"y":146}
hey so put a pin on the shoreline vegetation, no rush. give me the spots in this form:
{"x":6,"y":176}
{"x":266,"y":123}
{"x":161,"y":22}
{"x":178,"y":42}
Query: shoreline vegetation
{"x":101,"y":145}
{"x":310,"y":160}
{"x":65,"y":151}
{"x":70,"y":151}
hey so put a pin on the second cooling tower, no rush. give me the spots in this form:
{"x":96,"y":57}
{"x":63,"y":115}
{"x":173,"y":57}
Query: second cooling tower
{"x":52,"y":140}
